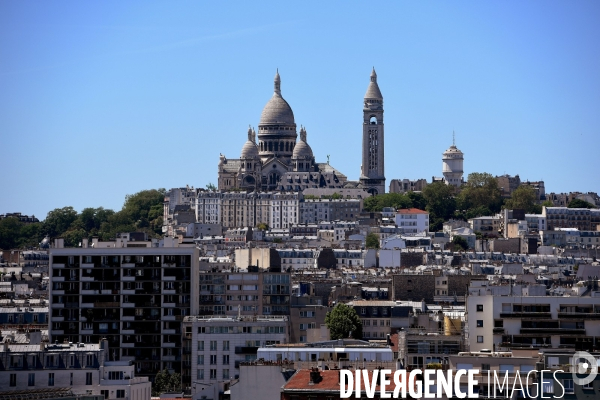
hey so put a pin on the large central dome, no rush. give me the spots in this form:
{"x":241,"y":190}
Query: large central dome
{"x":277,"y":110}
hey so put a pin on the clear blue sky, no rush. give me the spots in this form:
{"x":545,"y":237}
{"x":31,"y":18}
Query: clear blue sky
{"x":103,"y":99}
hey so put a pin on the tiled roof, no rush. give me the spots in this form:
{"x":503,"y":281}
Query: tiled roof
{"x":329,"y":382}
{"x":411,"y":211}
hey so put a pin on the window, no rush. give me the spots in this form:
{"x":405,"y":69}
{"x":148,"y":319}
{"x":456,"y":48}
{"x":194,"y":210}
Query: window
{"x":13,"y":380}
{"x":200,"y":374}
{"x":213,"y":359}
{"x":226,"y":374}
{"x":89,"y":359}
{"x":201,"y":359}
{"x":88,"y":378}
{"x":201,"y":345}
{"x":479,"y":339}
{"x":480,"y":323}
{"x":115,"y":375}
{"x":479,"y":307}
{"x":31,"y":379}
{"x":226,"y":345}
{"x":104,"y":393}
{"x":568,"y":384}
{"x":225,"y":359}
{"x":485,"y":367}
{"x":213,"y":374}
{"x":120,"y":394}
{"x":213,"y":345}
{"x":51,"y":379}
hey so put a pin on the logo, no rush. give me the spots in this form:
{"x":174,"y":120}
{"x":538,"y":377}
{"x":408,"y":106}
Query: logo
{"x":585,"y":368}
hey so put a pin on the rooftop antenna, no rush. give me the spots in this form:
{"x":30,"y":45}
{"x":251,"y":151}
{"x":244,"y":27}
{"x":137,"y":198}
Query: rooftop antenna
{"x":453,"y":141}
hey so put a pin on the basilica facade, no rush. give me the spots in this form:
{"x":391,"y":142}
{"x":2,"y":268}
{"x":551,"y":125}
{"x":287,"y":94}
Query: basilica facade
{"x":280,"y":161}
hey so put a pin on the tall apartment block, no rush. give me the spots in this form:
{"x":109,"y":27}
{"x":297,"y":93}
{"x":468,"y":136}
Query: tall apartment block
{"x":133,"y":293}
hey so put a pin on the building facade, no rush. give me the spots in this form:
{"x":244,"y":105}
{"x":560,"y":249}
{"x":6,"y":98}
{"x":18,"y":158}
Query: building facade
{"x":135,"y":297}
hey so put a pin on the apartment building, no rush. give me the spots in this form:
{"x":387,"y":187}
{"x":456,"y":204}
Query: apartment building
{"x":135,"y":297}
{"x":536,"y":321}
{"x":376,"y":317}
{"x":583,"y":219}
{"x":81,"y":367}
{"x":285,"y":210}
{"x":298,"y":259}
{"x":214,"y":347}
{"x":412,"y":221}
{"x":244,"y":293}
{"x":485,"y":224}
{"x":313,"y":211}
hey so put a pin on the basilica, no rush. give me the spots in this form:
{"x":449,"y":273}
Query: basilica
{"x":281,"y":161}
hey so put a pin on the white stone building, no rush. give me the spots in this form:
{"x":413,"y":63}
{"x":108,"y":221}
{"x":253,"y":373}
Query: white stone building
{"x":526,"y":319}
{"x":79,"y":366}
{"x":412,"y":221}
{"x":219,"y":344}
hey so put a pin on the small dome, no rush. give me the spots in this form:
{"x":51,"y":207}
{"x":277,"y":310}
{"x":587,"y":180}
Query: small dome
{"x":277,"y":111}
{"x":302,"y":150}
{"x":250,"y":150}
{"x":453,"y":150}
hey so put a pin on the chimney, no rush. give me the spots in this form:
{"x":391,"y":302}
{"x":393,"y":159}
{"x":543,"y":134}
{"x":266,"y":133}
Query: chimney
{"x":84,"y":243}
{"x":315,"y":376}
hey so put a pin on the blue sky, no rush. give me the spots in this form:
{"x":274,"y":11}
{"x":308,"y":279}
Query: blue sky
{"x":103,"y":99}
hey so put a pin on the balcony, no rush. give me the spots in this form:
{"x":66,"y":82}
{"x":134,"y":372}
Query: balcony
{"x":499,"y":331}
{"x":525,"y":315}
{"x":246,"y":350}
{"x":106,"y":304}
{"x":58,"y":279}
{"x":579,"y":315}
{"x":554,"y":331}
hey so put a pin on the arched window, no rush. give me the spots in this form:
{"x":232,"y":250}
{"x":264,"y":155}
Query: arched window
{"x":281,"y":146}
{"x":373,"y":120}
{"x":270,"y":146}
{"x":287,"y":146}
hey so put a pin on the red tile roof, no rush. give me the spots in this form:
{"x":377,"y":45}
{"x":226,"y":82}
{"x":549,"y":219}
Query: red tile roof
{"x":411,"y":211}
{"x":330,"y":382}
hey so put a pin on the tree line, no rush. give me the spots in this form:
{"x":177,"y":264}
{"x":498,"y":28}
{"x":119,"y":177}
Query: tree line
{"x":479,"y":196}
{"x":141,"y":212}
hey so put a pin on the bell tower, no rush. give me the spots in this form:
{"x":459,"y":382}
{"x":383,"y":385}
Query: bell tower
{"x":372,"y":174}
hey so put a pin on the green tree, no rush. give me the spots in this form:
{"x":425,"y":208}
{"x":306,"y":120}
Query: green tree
{"x":165,"y":382}
{"x":440,"y":204}
{"x":418,"y":200}
{"x":58,"y":221}
{"x":10,"y":232}
{"x":343,"y":321}
{"x":547,"y":203}
{"x":524,"y":198}
{"x":460,"y":242}
{"x":211,"y":187}
{"x":481,"y":191}
{"x":262,"y":226}
{"x":578,"y":203}
{"x":372,"y":241}
{"x":394,"y":200}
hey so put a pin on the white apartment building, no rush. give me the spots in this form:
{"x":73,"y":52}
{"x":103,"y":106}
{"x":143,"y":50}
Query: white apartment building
{"x":485,"y":224}
{"x":285,"y":210}
{"x":298,"y":259}
{"x":412,"y":221}
{"x":355,"y":258}
{"x":81,"y":367}
{"x":218,"y":344}
{"x":521,"y":320}
{"x":536,"y":222}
